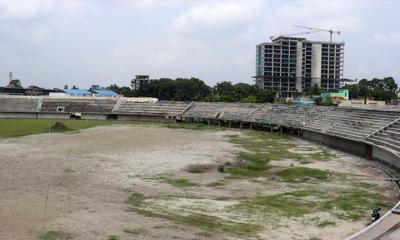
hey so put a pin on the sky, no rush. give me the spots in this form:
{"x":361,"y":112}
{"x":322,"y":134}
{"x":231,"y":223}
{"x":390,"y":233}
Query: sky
{"x":55,"y":43}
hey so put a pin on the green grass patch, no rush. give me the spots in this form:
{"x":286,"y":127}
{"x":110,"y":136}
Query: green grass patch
{"x":364,"y":185}
{"x":314,"y":238}
{"x":290,"y":204}
{"x":135,"y":231}
{"x":354,"y":203}
{"x":217,"y":183}
{"x":55,"y":235}
{"x":351,"y":204}
{"x":276,"y":147}
{"x":301,"y":174}
{"x":198,"y":168}
{"x":193,"y":126}
{"x":265,"y":147}
{"x":195,"y":220}
{"x":180,"y":182}
{"x":205,"y":222}
{"x":22,"y":127}
{"x":326,"y":223}
{"x":113,"y":237}
{"x":136,"y":199}
{"x":322,"y":156}
{"x":59,"y":127}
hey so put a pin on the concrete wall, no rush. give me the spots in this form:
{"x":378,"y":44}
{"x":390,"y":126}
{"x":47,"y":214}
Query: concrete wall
{"x":91,"y":116}
{"x":386,"y":157}
{"x":53,"y":116}
{"x":18,"y":115}
{"x":142,"y":118}
{"x":34,"y":115}
{"x":357,"y":148}
{"x":345,"y":145}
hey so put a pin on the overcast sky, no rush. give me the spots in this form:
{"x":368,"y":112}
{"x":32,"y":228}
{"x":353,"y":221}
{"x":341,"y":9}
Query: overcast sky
{"x":53,"y":43}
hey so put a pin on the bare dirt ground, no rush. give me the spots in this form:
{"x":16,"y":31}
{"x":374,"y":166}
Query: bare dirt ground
{"x":79,"y":183}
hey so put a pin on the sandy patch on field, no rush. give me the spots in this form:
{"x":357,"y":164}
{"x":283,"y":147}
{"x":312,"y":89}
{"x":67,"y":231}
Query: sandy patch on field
{"x":85,"y":179}
{"x":84,"y":175}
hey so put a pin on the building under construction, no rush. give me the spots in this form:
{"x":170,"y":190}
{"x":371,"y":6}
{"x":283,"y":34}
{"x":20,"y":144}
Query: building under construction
{"x":289,"y":64}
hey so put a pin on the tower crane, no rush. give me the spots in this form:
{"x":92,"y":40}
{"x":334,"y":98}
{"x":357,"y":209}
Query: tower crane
{"x":293,"y":34}
{"x":331,"y":32}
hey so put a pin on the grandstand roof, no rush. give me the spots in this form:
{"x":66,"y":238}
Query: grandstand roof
{"x":106,"y":93}
{"x":78,"y":92}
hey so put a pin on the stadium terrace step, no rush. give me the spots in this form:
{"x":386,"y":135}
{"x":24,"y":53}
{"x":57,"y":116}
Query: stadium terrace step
{"x":161,"y":108}
{"x":15,"y":104}
{"x":223,"y":111}
{"x":77,"y":105}
{"x":387,"y":134}
{"x":387,"y":139}
{"x":385,"y":144}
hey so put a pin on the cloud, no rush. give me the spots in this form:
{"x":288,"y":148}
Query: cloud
{"x":341,"y":16}
{"x":145,"y":5}
{"x":27,"y":9}
{"x":214,"y":14}
{"x":19,"y":9}
{"x":388,"y":39}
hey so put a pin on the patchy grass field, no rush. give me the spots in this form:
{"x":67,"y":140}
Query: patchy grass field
{"x":139,"y":180}
{"x":23,"y":127}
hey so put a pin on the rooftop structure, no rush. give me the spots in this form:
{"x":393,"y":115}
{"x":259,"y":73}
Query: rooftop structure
{"x":287,"y":65}
{"x":104,"y":93}
{"x":77,"y":92}
{"x":141,"y":80}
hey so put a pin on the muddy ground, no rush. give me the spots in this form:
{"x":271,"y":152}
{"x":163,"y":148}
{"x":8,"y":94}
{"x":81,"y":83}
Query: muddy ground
{"x":133,"y":182}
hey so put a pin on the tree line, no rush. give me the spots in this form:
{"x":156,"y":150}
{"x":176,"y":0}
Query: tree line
{"x":378,"y":89}
{"x":194,"y":89}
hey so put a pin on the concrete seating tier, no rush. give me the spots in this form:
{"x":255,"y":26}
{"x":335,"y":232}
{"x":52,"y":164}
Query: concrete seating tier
{"x":388,"y":137}
{"x":286,"y":115}
{"x":355,"y":124}
{"x":161,"y":108}
{"x":78,"y":105}
{"x":17,"y":104}
{"x":222,"y":111}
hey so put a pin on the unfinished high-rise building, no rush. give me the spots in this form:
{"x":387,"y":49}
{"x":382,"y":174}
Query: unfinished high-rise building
{"x":287,"y":65}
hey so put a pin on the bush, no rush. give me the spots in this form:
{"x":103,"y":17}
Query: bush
{"x":59,"y":127}
{"x":198,"y":168}
{"x":328,"y":101}
{"x":221,"y":168}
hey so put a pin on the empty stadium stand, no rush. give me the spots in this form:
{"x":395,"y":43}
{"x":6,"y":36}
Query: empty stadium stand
{"x":222,"y":111}
{"x":287,"y":115}
{"x":160,"y":108}
{"x":18,"y":104}
{"x":91,"y":105}
{"x":353,"y":124}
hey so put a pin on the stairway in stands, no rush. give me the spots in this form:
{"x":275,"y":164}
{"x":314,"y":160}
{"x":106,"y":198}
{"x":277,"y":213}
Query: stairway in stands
{"x":354,"y":124}
{"x":388,"y":137}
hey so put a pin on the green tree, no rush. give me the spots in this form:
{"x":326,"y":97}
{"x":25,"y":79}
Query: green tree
{"x":225,"y":88}
{"x":249,"y":99}
{"x":379,"y":89}
{"x":327,"y":101}
{"x":312,"y":90}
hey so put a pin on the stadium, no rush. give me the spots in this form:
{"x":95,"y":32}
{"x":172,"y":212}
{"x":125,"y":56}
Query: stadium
{"x":138,"y":168}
